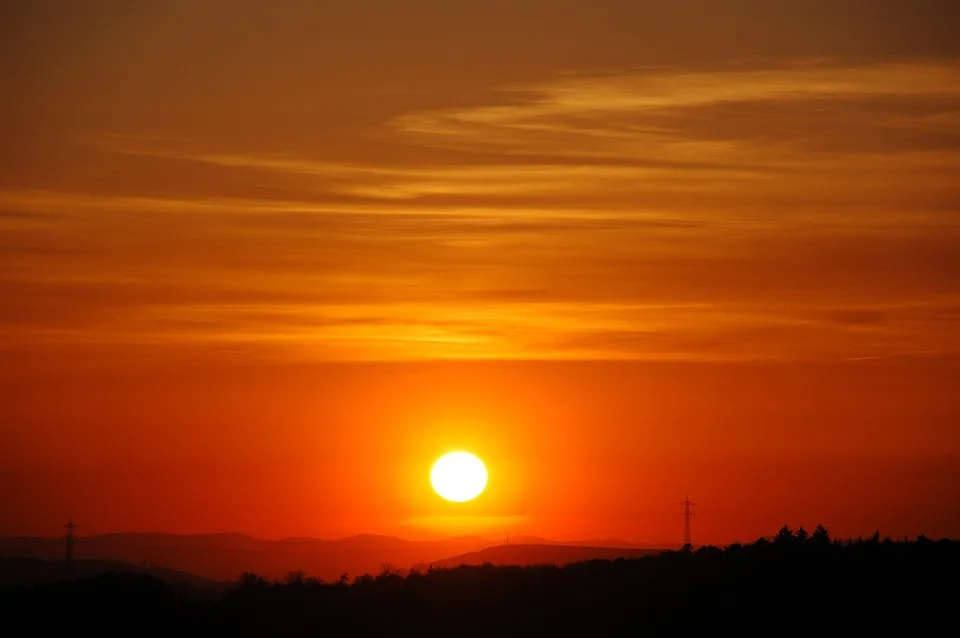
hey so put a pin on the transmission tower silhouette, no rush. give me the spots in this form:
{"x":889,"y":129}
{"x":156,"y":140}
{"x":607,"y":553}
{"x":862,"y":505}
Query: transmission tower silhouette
{"x":71,"y":540}
{"x":686,"y":513}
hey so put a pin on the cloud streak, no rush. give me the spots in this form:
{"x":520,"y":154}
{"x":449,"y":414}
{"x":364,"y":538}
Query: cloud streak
{"x":740,"y":213}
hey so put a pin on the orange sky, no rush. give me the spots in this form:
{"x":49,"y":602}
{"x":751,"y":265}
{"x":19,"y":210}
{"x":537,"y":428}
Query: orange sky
{"x":262,"y":264}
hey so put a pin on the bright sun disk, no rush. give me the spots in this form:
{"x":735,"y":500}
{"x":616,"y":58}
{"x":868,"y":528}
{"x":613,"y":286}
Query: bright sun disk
{"x":458,"y":476}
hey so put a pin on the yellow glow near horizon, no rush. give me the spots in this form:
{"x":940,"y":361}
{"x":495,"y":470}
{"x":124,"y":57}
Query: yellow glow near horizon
{"x":459,"y":477}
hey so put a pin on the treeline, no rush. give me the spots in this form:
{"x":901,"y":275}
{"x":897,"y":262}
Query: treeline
{"x":795,"y":584}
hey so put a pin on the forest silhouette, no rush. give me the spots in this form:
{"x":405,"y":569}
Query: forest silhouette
{"x":795,"y":584}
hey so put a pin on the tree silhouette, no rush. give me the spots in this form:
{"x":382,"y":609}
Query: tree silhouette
{"x":789,"y":586}
{"x":821,"y":537}
{"x":295,"y":577}
{"x":249,"y":580}
{"x":784,"y":536}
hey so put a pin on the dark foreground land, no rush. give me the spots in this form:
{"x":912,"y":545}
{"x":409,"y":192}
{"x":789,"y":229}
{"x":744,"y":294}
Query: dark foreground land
{"x":793,"y":586}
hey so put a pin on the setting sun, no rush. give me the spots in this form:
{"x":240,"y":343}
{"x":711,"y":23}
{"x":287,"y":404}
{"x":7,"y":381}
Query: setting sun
{"x":459,"y":477}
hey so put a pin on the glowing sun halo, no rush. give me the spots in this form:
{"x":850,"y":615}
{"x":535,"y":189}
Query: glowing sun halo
{"x":459,"y":477}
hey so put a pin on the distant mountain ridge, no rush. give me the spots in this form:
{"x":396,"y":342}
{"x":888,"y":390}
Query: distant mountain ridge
{"x":225,"y":556}
{"x":525,"y":555}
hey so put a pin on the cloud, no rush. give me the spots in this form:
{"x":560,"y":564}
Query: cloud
{"x":824,"y":140}
{"x":856,"y":317}
{"x":443,"y":284}
{"x":482,"y":523}
{"x":784,"y":210}
{"x":737,"y":136}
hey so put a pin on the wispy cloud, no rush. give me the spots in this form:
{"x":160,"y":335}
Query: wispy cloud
{"x":637,"y":213}
{"x":613,"y":113}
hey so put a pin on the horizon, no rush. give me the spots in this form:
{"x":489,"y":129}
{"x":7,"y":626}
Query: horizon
{"x":492,"y":539}
{"x":504,"y":541}
{"x":496,"y":540}
{"x":265,"y":266}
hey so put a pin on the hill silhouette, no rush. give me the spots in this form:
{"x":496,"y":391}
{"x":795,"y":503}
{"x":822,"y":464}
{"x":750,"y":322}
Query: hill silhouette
{"x":524,"y":555}
{"x":225,"y":556}
{"x":796,"y":585}
{"x":23,"y":572}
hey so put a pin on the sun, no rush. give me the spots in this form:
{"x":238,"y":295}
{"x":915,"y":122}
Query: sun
{"x":459,"y":477}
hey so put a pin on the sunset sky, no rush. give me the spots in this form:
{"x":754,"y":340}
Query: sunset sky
{"x":261,"y":263}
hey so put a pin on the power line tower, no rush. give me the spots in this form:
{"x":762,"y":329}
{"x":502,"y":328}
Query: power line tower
{"x":71,"y":541}
{"x":686,"y":513}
